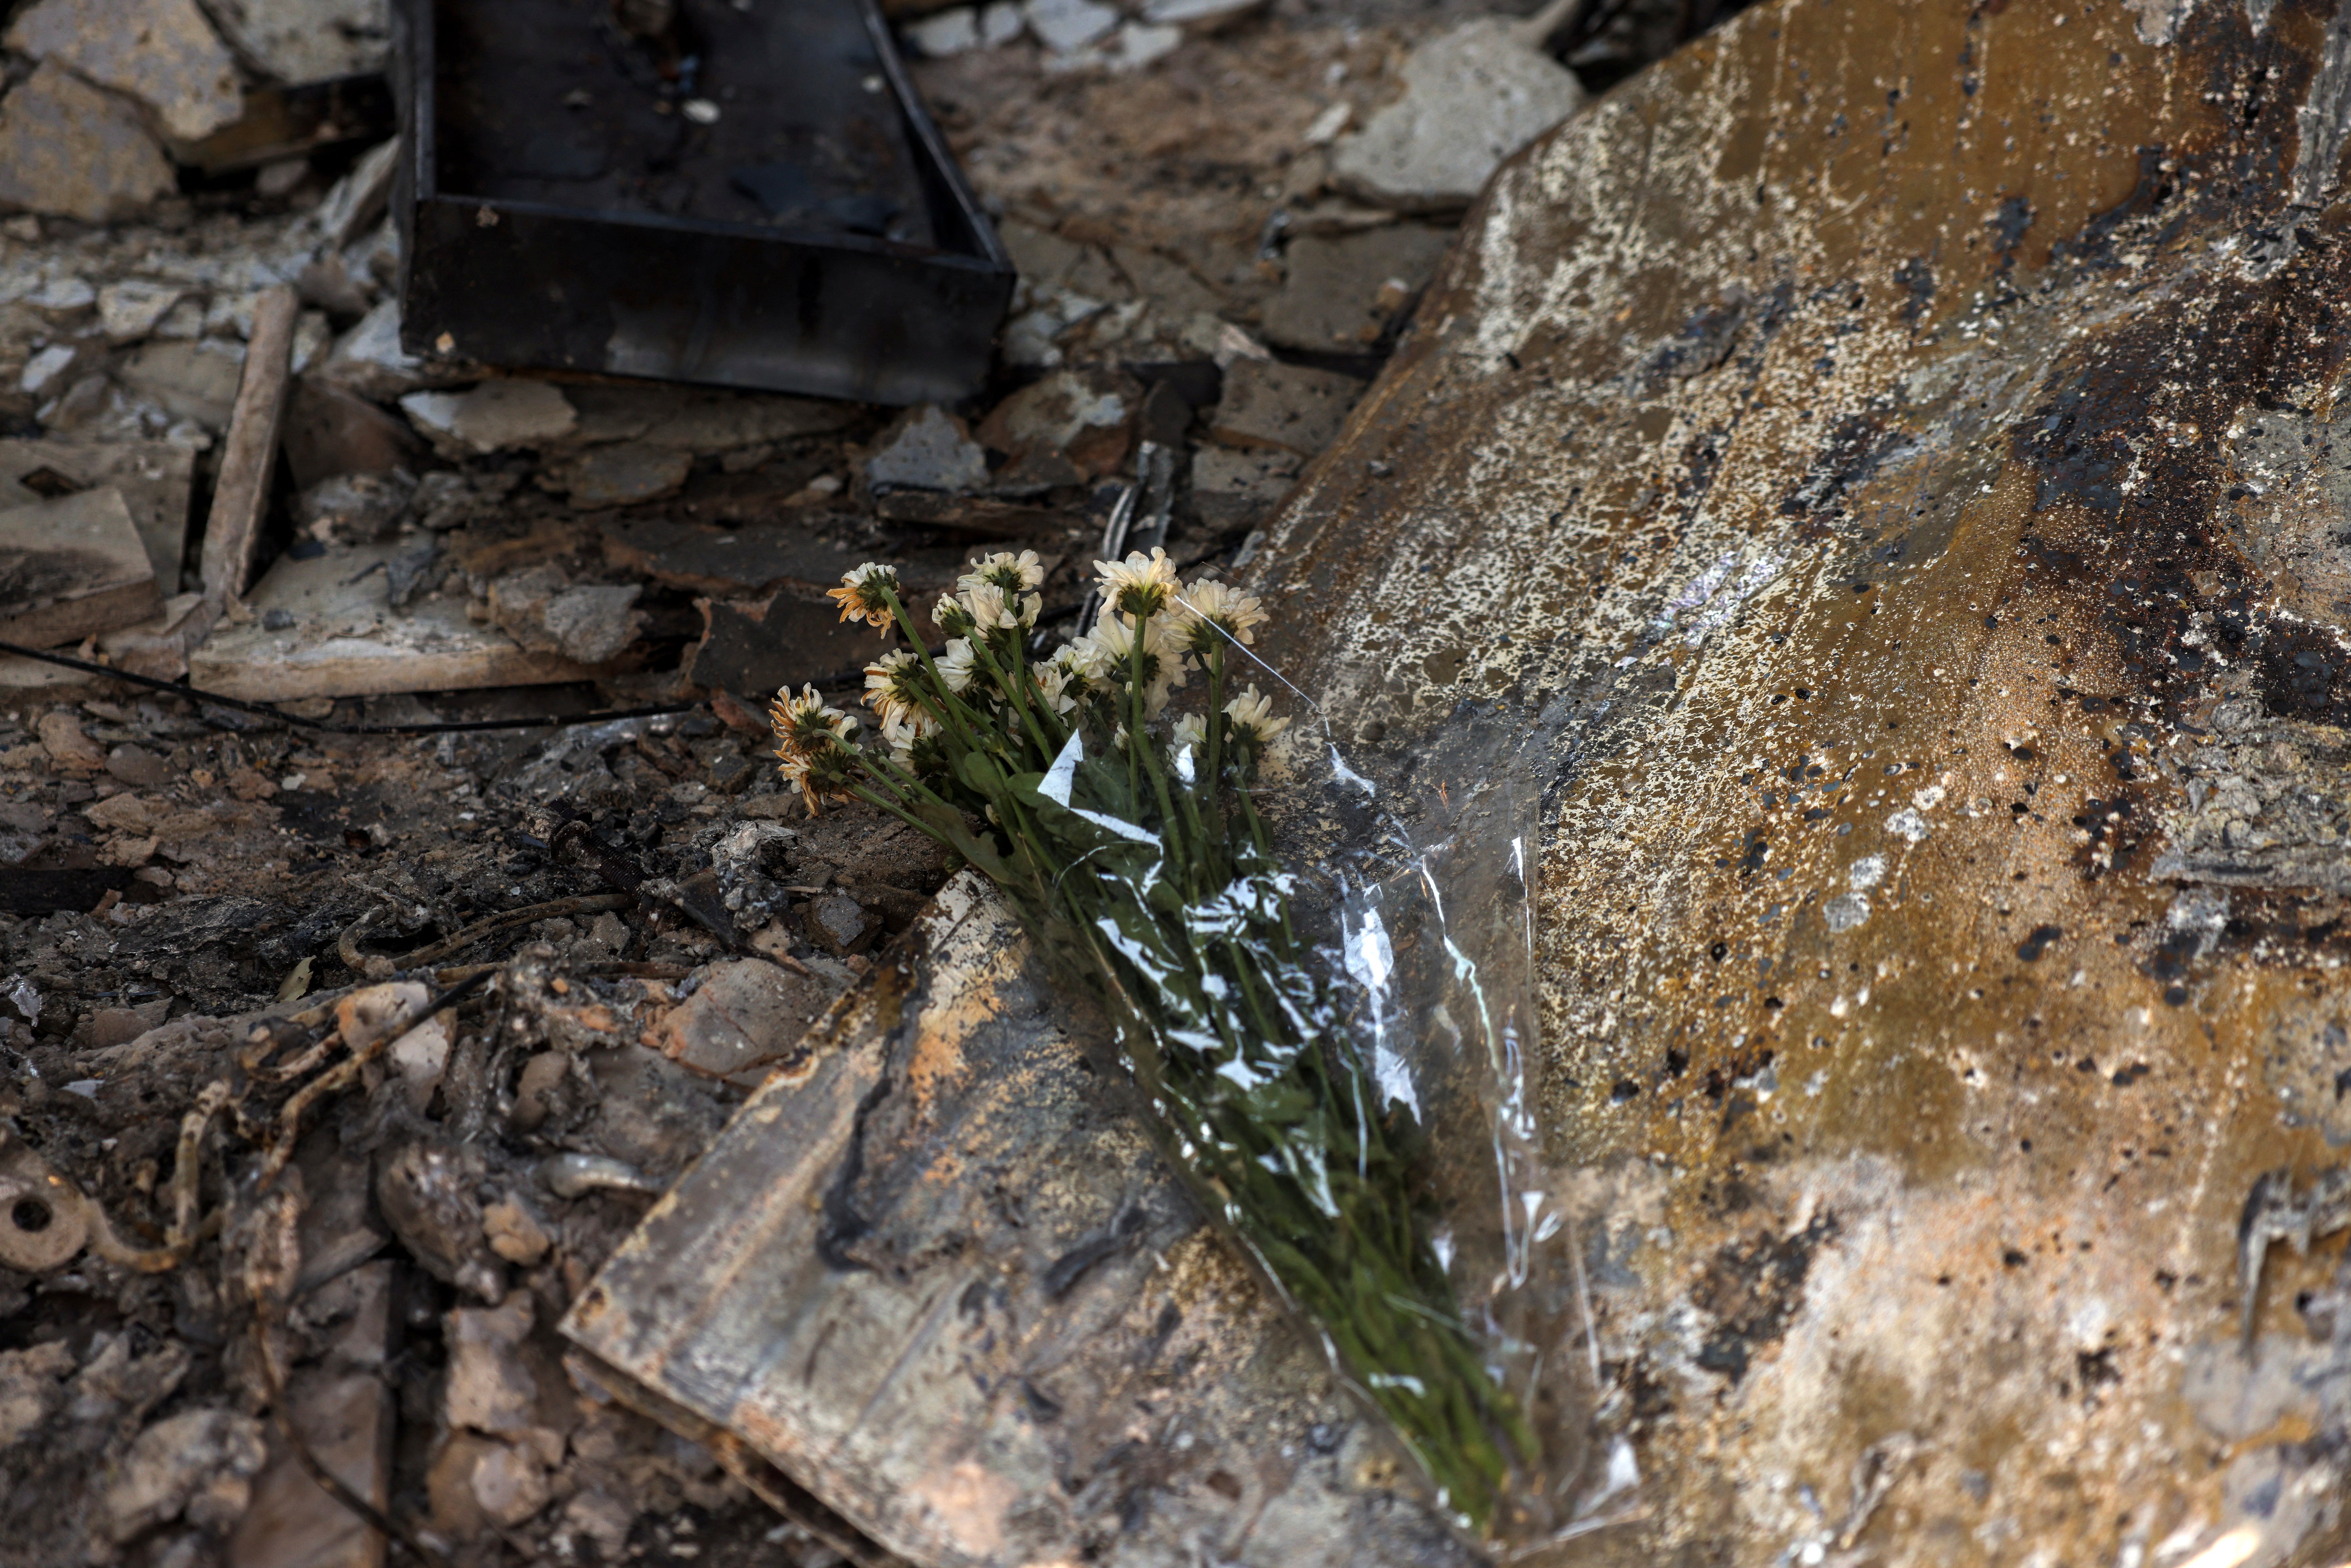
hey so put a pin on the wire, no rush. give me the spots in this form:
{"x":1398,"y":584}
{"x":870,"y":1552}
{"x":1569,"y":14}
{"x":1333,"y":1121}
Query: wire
{"x":455,"y":727}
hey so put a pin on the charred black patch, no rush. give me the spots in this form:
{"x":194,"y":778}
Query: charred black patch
{"x":2095,"y":244}
{"x":1752,"y":1289}
{"x":1856,"y":447}
{"x":1915,"y":277}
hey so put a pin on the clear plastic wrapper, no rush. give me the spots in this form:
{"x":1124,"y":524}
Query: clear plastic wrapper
{"x":1323,"y":987}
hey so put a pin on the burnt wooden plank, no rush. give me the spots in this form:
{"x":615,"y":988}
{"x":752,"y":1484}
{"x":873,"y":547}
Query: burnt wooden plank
{"x":936,"y":1272}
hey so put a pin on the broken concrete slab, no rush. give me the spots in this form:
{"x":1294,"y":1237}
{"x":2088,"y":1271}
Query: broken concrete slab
{"x":1344,"y":292}
{"x":928,"y":449}
{"x":1473,"y":95}
{"x":624,"y":474}
{"x":71,"y":567}
{"x":1234,"y":489}
{"x":155,"y":478}
{"x":495,"y":416}
{"x":1031,"y":1339}
{"x":360,"y":198}
{"x":1064,"y":428}
{"x":196,"y":380}
{"x":299,"y":41}
{"x":590,"y":622}
{"x":1285,"y":408}
{"x":74,"y":151}
{"x":163,"y":53}
{"x":327,"y":627}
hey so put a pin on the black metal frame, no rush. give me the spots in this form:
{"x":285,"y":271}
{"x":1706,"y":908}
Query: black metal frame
{"x":530,"y":285}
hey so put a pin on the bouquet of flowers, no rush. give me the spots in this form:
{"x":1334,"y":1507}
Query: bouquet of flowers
{"x":1127,"y":839}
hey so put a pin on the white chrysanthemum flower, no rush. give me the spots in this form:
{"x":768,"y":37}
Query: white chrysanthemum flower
{"x":860,"y":594}
{"x":1015,"y":574}
{"x":960,"y":664}
{"x":1054,"y":679}
{"x":953,"y":615}
{"x":905,"y":737}
{"x":1253,"y":719}
{"x":891,"y":684}
{"x":989,"y":612}
{"x":807,"y":722}
{"x":1108,"y":652}
{"x":1191,"y":731}
{"x":1141,"y":586}
{"x":1206,"y":613}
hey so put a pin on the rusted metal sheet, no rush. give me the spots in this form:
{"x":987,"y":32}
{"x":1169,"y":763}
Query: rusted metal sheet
{"x":1896,"y":447}
{"x":935,"y":1273}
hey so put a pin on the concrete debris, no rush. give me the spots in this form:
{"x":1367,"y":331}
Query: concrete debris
{"x":698,"y":420}
{"x":192,"y":381}
{"x":199,"y":1465}
{"x":967,"y":27}
{"x":622,"y":475}
{"x":542,"y":610}
{"x":1345,"y":292}
{"x":130,"y":310}
{"x":1066,"y":24}
{"x":1285,"y":408}
{"x":928,"y":449}
{"x":163,"y":53}
{"x":1130,"y":48}
{"x":72,"y":567}
{"x":495,"y":416}
{"x":298,"y":41}
{"x":1197,"y":17}
{"x":1473,"y":95}
{"x":154,"y":478}
{"x":73,"y":150}
{"x":1237,"y":489}
{"x":1065,"y":428}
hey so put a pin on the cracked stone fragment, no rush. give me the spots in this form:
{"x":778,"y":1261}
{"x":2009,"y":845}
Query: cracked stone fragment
{"x":299,"y":41}
{"x":929,"y":449}
{"x":200,"y":1463}
{"x":1286,"y":408}
{"x":70,"y":149}
{"x":161,"y":52}
{"x":1472,"y":95}
{"x":493,"y":417}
